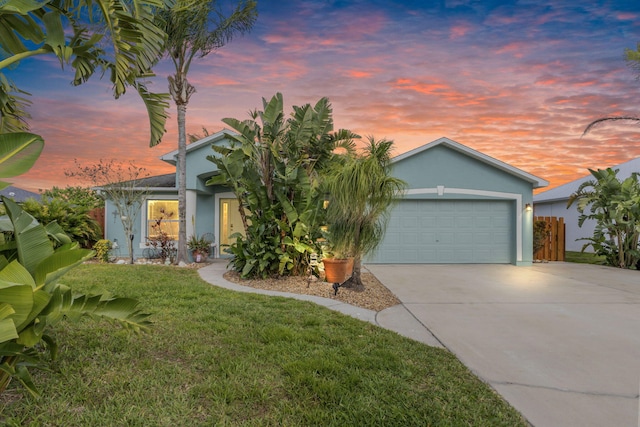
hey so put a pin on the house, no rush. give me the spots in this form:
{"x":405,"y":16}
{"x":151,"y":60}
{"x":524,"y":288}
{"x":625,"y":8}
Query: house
{"x":554,"y":203}
{"x":18,"y":194}
{"x":461,"y":206}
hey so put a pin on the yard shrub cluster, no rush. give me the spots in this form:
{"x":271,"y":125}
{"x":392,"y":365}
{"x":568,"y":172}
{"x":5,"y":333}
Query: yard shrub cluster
{"x":275,"y":167}
{"x":284,"y":173}
{"x":71,"y":213}
{"x":615,"y":206}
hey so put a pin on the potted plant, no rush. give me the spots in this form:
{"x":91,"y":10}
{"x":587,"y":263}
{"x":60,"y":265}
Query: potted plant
{"x":338,"y":267}
{"x":361,"y":190}
{"x":199,"y":247}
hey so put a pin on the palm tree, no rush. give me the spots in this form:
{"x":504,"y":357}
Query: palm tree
{"x":68,"y":31}
{"x":361,"y":191}
{"x":195,"y":29}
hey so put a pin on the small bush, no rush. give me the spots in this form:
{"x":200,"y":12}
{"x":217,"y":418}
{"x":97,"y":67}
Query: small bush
{"x":102,"y":248}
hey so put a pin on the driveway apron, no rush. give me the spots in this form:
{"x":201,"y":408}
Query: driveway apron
{"x":559,"y":341}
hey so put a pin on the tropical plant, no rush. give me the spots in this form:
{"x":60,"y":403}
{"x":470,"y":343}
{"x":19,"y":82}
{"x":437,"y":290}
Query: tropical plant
{"x":361,"y":191}
{"x":74,"y":220}
{"x":274,"y":168}
{"x":123,"y":185}
{"x":32,"y":301}
{"x":102,"y":248}
{"x":615,"y":206}
{"x":195,"y":29}
{"x":68,"y":31}
{"x":198,"y":244}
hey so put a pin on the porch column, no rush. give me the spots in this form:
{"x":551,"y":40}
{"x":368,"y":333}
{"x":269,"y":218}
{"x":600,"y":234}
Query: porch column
{"x":191,"y":212}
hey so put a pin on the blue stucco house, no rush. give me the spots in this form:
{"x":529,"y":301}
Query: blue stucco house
{"x":461,"y":206}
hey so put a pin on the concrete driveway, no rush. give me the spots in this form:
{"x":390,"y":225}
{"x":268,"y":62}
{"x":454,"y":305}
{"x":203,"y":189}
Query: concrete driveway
{"x":559,"y":341}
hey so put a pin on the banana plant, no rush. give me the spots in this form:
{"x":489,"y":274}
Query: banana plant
{"x":32,"y":300}
{"x":274,"y":166}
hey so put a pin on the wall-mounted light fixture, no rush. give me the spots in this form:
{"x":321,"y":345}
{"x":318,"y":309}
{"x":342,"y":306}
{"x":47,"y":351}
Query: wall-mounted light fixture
{"x":528,"y":207}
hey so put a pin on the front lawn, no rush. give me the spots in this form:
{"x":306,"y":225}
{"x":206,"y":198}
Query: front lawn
{"x":216,"y":357}
{"x":584,"y":257}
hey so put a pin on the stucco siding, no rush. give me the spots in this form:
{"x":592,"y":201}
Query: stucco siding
{"x":444,"y":166}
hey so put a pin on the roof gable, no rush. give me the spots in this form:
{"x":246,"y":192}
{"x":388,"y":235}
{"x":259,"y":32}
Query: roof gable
{"x":172,"y":157}
{"x":463,"y":149}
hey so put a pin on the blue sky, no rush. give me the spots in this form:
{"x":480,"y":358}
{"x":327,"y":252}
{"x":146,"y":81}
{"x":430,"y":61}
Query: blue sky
{"x":517,"y":80}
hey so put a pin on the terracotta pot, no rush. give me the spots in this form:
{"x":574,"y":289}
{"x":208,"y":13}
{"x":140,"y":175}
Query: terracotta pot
{"x":336,"y":270}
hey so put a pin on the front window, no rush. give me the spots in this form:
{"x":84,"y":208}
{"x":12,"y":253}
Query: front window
{"x":162,"y":215}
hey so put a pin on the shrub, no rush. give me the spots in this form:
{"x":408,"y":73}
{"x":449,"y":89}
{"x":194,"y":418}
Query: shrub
{"x":73,"y":219}
{"x":102,"y":248}
{"x":540,"y":234}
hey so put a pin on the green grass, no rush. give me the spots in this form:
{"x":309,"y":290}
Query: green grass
{"x":583,"y":257}
{"x":216,"y":357}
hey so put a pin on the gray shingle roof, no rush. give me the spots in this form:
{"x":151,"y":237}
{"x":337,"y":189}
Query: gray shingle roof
{"x":18,"y":194}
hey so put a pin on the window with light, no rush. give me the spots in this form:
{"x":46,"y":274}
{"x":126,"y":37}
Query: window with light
{"x":162,"y":216}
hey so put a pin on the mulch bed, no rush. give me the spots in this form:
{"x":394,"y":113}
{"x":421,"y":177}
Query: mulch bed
{"x":375,"y":296}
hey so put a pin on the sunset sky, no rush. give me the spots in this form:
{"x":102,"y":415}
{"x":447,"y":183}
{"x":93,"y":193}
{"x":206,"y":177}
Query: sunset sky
{"x":516,"y":80}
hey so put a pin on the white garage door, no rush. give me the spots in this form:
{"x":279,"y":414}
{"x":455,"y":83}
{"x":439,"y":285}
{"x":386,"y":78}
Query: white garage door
{"x":448,"y":231}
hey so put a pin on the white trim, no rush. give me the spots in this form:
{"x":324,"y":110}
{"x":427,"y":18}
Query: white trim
{"x":485,"y":193}
{"x":191,"y":208}
{"x":172,"y":156}
{"x":216,"y":225}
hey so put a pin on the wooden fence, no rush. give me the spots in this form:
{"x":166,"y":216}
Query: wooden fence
{"x":553,"y":249}
{"x":98,"y":215}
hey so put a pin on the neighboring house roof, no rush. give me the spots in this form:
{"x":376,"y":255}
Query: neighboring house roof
{"x":18,"y":194}
{"x":172,"y":157}
{"x":537,"y":182}
{"x":563,"y":192}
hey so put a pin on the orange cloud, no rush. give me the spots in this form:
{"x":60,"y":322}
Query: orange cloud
{"x":359,"y":74}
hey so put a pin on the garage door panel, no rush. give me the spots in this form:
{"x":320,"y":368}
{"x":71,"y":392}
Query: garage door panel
{"x":449,"y":231}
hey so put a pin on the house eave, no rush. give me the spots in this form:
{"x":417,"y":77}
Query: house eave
{"x":172,"y":157}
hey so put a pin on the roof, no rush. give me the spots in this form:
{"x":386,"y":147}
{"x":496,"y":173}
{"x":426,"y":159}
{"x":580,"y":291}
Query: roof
{"x":158,"y":182}
{"x":18,"y":194}
{"x":172,"y":157}
{"x":537,"y":182}
{"x":563,"y":192}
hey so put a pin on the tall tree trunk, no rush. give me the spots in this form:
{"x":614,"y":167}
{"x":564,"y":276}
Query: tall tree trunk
{"x":181,"y":90}
{"x":355,"y":281}
{"x":182,"y":184}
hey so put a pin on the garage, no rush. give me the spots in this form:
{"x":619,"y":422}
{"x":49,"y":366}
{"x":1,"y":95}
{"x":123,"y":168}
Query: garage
{"x":461,"y":207}
{"x":449,"y":232}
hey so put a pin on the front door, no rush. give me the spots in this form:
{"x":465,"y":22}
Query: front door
{"x":230,"y":222}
